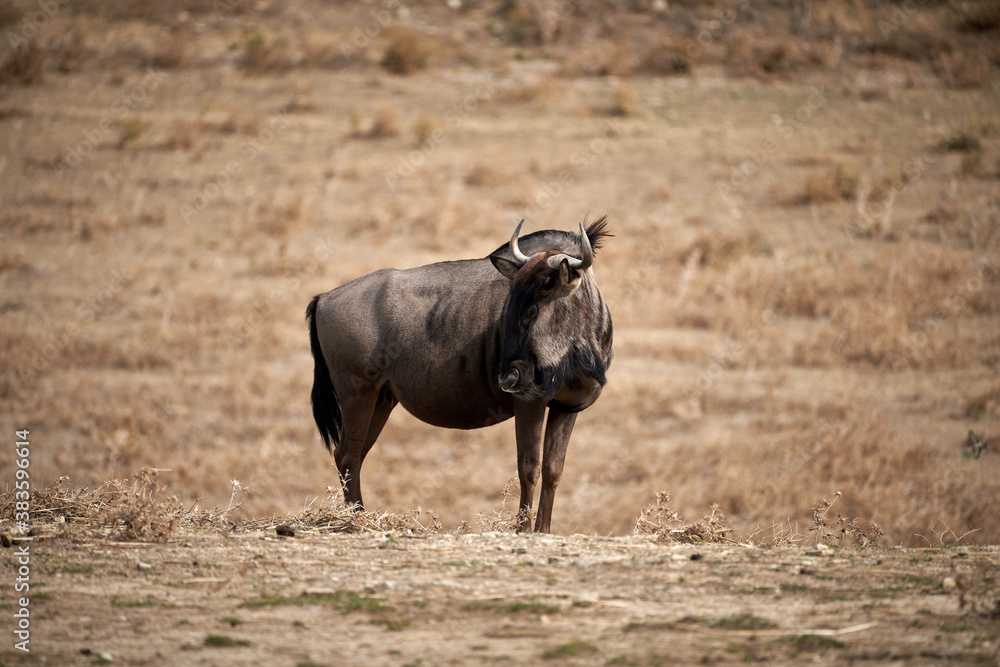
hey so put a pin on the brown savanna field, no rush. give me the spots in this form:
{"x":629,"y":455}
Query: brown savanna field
{"x":804,"y":278}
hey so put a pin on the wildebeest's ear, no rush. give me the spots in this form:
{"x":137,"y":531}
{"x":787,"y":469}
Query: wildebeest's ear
{"x":505,"y":266}
{"x":567,"y":275}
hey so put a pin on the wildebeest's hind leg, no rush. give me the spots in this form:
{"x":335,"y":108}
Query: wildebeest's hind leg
{"x":383,"y":408}
{"x":528,"y":418}
{"x":558,"y":429}
{"x":359,"y":411}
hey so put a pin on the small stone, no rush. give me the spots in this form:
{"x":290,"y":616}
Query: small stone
{"x":949,"y":583}
{"x":145,"y":567}
{"x":586,"y":599}
{"x":104,"y":655}
{"x":820,"y":550}
{"x":285,"y":531}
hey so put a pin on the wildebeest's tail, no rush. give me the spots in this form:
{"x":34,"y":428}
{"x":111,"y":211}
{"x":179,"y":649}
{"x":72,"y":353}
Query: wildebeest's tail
{"x":326,"y":407}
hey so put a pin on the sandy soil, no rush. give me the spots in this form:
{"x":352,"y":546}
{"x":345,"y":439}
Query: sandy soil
{"x":397,"y":599}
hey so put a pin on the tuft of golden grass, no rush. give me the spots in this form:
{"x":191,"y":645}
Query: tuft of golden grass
{"x":130,"y":129}
{"x":387,"y":124}
{"x":407,"y":51}
{"x":669,"y":56}
{"x":626,"y":101}
{"x":487,"y":175}
{"x":262,"y":54}
{"x":423,"y":129}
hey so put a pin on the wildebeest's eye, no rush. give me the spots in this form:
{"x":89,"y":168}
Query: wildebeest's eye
{"x":531,"y":312}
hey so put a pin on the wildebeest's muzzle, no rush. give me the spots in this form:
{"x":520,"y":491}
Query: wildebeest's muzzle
{"x":511,"y":378}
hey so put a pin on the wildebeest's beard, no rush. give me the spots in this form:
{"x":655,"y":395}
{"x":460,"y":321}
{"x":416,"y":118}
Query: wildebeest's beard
{"x":541,"y":347}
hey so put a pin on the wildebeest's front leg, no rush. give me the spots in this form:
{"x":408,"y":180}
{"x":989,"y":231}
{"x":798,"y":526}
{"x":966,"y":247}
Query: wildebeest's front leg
{"x":528,"y":418}
{"x":558,"y":428}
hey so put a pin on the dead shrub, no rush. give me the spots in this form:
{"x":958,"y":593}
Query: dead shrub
{"x":234,"y":123}
{"x":387,"y":124}
{"x":486,"y":175}
{"x":330,"y":514}
{"x":424,"y":128}
{"x":531,"y":22}
{"x":820,"y":188}
{"x":407,"y":51}
{"x":278,"y":218}
{"x":171,"y":54}
{"x":129,"y":511}
{"x":762,"y":56}
{"x":968,"y":67}
{"x":978,"y":584}
{"x":667,"y":57}
{"x":843,"y":529}
{"x":600,"y":58}
{"x":840,"y":181}
{"x":969,"y":139}
{"x":504,"y":520}
{"x":263,"y":54}
{"x":183,"y":135}
{"x":973,"y":165}
{"x":665,"y":524}
{"x":626,"y":102}
{"x":539,"y":91}
{"x":72,"y":52}
{"x":130,"y":129}
{"x":24,"y":65}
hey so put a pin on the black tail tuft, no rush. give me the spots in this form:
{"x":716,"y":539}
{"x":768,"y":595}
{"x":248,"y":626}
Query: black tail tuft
{"x":326,"y":407}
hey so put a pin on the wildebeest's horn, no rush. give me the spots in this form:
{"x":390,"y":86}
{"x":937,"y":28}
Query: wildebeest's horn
{"x":519,"y":256}
{"x":588,"y":252}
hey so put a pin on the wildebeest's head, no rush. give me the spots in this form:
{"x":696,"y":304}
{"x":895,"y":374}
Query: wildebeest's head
{"x":555,"y":324}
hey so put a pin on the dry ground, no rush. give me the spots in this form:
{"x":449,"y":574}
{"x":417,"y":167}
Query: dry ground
{"x":212,"y":598}
{"x":805,"y":277}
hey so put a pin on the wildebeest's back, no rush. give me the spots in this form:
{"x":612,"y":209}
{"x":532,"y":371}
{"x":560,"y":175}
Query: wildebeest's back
{"x":429,"y":334}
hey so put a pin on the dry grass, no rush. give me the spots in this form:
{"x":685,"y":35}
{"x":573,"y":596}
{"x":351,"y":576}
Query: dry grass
{"x":387,"y":123}
{"x":263,"y":53}
{"x":844,"y":529}
{"x":626,"y":102}
{"x":24,"y":65}
{"x":137,"y":510}
{"x":407,"y":51}
{"x":424,"y":128}
{"x":764,"y":348}
{"x":663,"y":523}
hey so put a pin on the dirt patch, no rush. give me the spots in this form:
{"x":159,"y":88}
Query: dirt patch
{"x":208,"y":597}
{"x":804,"y":278}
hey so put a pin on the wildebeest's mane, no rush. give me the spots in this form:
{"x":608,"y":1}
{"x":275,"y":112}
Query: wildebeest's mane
{"x":559,"y":240}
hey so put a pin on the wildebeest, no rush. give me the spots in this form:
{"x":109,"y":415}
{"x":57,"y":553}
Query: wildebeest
{"x":467,"y":344}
